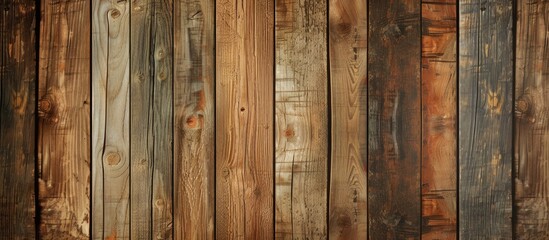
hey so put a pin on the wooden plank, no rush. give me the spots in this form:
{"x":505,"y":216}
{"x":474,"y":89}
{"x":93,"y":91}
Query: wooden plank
{"x":439,"y":135}
{"x":348,"y":60}
{"x":394,"y":119}
{"x":151,"y":57}
{"x":244,"y":119}
{"x":301,"y":135}
{"x":532,"y":122}
{"x":64,"y":126}
{"x":485,"y":118}
{"x":18,"y":84}
{"x":194,"y":119}
{"x":110,"y":119}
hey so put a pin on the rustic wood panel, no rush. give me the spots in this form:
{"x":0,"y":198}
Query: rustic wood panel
{"x":348,"y":49}
{"x":194,"y":189}
{"x":18,"y":84}
{"x":394,"y":119}
{"x":244,"y":119}
{"x":485,"y":118}
{"x":110,"y":119}
{"x":151,"y":130}
{"x":439,"y":100}
{"x":64,"y":126}
{"x":532,"y":122}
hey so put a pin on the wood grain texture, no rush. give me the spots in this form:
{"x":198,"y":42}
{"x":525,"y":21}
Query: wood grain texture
{"x":348,"y":49}
{"x":301,"y":135}
{"x":244,"y":119}
{"x":110,"y":119}
{"x":194,"y":132}
{"x":151,"y":57}
{"x":485,"y":118}
{"x":439,"y":100}
{"x":18,"y":84}
{"x":394,"y":119}
{"x":532,"y":120}
{"x":64,"y":126}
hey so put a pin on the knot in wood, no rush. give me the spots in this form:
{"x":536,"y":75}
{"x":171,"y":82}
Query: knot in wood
{"x":44,"y":106}
{"x":522,"y":105}
{"x":115,"y":13}
{"x":113,"y":158}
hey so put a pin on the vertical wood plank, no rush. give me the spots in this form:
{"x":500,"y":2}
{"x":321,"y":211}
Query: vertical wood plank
{"x":194,"y":189}
{"x":485,"y":118}
{"x":110,"y":119}
{"x":394,"y":119}
{"x":439,"y":100}
{"x":348,"y":60}
{"x":17,"y":120}
{"x":151,"y":118}
{"x":301,"y":135}
{"x":532,"y":122}
{"x":64,"y":127}
{"x":244,"y":119}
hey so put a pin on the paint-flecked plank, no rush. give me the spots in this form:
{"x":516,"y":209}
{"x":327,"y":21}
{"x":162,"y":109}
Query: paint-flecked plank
{"x":348,"y":35}
{"x":301,"y":134}
{"x":532,"y":120}
{"x":18,"y":84}
{"x":394,"y":119}
{"x":151,"y":119}
{"x":110,"y":119}
{"x":485,"y":118}
{"x":64,"y":127}
{"x":194,"y":140}
{"x":244,"y":119}
{"x":439,"y":99}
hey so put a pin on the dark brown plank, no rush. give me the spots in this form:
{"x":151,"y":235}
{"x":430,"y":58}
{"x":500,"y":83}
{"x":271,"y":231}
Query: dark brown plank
{"x":439,"y":100}
{"x":151,"y":54}
{"x":244,"y":119}
{"x":18,"y":84}
{"x":394,"y":119}
{"x":485,"y":118}
{"x":301,"y":119}
{"x":194,"y":172}
{"x":64,"y":127}
{"x":532,"y":122}
{"x":348,"y":49}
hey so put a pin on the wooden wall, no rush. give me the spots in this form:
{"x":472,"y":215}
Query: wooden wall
{"x":274,"y":119}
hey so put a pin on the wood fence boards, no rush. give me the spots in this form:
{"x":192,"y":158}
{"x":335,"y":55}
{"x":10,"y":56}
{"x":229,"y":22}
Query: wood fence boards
{"x":485,"y":119}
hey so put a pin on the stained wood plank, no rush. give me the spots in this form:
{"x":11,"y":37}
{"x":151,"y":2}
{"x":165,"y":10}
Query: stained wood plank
{"x":64,"y":126}
{"x":439,"y":135}
{"x":348,"y":49}
{"x":18,"y":84}
{"x":301,"y":135}
{"x":244,"y":119}
{"x":194,"y":119}
{"x":151,"y":56}
{"x":394,"y":119}
{"x":485,"y":118}
{"x":110,"y":119}
{"x":532,"y":122}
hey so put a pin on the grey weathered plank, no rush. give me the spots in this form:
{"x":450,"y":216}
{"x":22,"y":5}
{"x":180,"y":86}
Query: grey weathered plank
{"x":194,"y":109}
{"x":485,"y":118}
{"x":18,"y":84}
{"x":64,"y":126}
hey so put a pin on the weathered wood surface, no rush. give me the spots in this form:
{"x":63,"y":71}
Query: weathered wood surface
{"x":301,"y":135}
{"x":485,"y":118}
{"x":64,"y":126}
{"x":194,"y":119}
{"x":394,"y":119}
{"x":348,"y":49}
{"x":18,"y":84}
{"x":151,"y":58}
{"x":532,"y":120}
{"x":110,"y":119}
{"x":244,"y":119}
{"x":439,"y":135}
